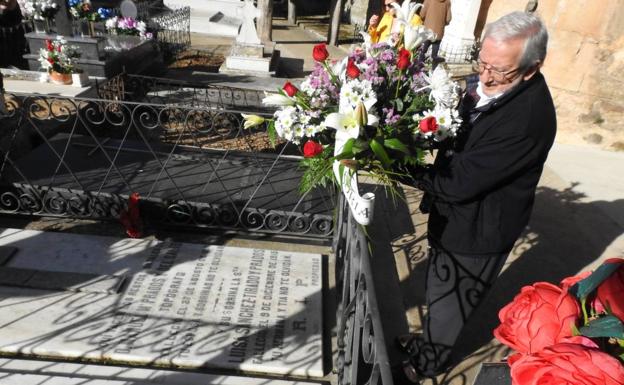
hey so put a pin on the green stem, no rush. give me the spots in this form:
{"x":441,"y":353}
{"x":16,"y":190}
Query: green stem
{"x":333,"y":77}
{"x":396,"y":94}
{"x":585,"y":316}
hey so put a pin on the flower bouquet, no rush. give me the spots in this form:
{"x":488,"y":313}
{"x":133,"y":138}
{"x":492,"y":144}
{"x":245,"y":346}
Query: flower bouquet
{"x":127,"y":26}
{"x":375,"y":111}
{"x":571,"y":333}
{"x":57,"y":58}
{"x":39,"y":9}
{"x":82,"y":9}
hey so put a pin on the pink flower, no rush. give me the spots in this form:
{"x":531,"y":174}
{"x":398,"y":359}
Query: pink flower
{"x":541,"y":315}
{"x":567,"y":364}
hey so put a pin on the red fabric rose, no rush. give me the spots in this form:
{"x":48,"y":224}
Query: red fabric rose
{"x":49,"y":45}
{"x":567,"y":364}
{"x":290,"y":89}
{"x":610,"y":293}
{"x":404,"y":59}
{"x":428,"y":124}
{"x":539,"y":316}
{"x":131,"y":218}
{"x":352,"y":70}
{"x":50,"y":60}
{"x":319,"y":52}
{"x":568,"y":282}
{"x":312,"y":149}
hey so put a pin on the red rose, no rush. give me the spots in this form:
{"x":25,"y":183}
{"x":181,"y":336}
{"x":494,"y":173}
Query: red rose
{"x":610,"y":293}
{"x":567,"y":364}
{"x":50,"y":60}
{"x":541,"y":315}
{"x":428,"y":124}
{"x":404,"y":59}
{"x":49,"y":45}
{"x":290,"y":89}
{"x":352,"y":71}
{"x":312,"y":149}
{"x":319,"y":53}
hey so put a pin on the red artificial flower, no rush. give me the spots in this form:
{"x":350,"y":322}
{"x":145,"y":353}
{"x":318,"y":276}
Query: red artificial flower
{"x":428,"y":124}
{"x":319,"y":53}
{"x":131,"y":218}
{"x":404,"y":59}
{"x":50,"y":60}
{"x":312,"y":149}
{"x":610,"y":293}
{"x":352,"y":70}
{"x":541,"y":315}
{"x":567,"y":363}
{"x":49,"y":45}
{"x":290,"y":89}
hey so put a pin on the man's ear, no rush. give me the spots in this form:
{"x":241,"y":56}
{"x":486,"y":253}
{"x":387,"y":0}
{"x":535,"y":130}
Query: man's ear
{"x":532,"y":71}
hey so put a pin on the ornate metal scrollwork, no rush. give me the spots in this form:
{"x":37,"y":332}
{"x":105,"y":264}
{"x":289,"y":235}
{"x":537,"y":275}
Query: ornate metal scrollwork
{"x":362,"y":356}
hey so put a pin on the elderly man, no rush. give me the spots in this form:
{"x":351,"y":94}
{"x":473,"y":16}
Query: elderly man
{"x":480,"y":193}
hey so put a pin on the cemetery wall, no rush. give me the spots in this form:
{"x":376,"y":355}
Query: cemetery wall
{"x":584,"y":67}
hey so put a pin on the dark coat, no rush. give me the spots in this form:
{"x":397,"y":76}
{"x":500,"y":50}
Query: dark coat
{"x":482,"y":195}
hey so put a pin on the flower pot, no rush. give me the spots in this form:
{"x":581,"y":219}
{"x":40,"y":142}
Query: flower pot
{"x":60,"y":78}
{"x":80,"y":79}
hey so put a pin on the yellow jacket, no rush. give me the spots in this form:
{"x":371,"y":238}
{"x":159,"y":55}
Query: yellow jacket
{"x":384,"y":28}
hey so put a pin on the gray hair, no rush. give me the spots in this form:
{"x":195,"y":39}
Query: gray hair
{"x":521,"y":25}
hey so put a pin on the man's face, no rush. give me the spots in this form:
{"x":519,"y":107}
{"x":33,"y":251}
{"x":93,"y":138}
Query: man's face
{"x":499,"y":65}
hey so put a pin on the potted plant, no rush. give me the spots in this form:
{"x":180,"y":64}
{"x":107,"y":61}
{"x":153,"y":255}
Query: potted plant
{"x":57,"y":58}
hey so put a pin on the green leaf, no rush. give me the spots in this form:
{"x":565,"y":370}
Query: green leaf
{"x":272,"y":133}
{"x":380,"y":153}
{"x":396,"y":144}
{"x":607,"y":326}
{"x":585,"y":287}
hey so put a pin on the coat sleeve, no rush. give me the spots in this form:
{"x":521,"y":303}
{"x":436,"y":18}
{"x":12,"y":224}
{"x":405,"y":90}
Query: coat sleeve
{"x":480,"y":169}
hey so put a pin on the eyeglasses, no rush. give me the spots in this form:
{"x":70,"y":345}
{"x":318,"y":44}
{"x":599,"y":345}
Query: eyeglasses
{"x":499,"y":76}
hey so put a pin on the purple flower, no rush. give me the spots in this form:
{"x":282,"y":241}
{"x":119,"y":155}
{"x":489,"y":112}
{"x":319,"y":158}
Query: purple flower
{"x":390,"y":117}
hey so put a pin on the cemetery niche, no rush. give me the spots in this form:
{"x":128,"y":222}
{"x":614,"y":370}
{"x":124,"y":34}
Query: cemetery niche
{"x":135,"y":38}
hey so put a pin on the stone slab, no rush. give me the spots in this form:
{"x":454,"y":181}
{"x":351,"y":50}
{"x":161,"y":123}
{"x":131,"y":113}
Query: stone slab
{"x":31,"y":372}
{"x":493,"y":374}
{"x":248,"y":63}
{"x":247,"y":50}
{"x":60,"y":280}
{"x":32,"y":87}
{"x":6,"y":253}
{"x":185,"y":305}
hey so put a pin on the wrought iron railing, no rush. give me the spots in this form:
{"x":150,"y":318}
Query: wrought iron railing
{"x":362,"y":356}
{"x":139,"y":88}
{"x":193,"y":167}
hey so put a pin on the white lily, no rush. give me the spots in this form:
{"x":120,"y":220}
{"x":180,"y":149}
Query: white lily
{"x":413,"y":37}
{"x":368,"y":43}
{"x":348,"y":124}
{"x":277,"y":100}
{"x":252,"y":120}
{"x":405,"y":11}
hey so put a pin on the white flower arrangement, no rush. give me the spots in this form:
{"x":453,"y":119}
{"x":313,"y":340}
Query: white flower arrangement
{"x":127,"y":26}
{"x":39,"y":9}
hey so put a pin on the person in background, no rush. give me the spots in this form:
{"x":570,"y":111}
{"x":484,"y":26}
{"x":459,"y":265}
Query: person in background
{"x":12,"y":41}
{"x":435,"y":14}
{"x":388,"y":29}
{"x":480,"y":190}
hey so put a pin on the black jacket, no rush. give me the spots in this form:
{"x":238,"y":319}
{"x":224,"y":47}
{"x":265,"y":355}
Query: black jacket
{"x":481,"y":196}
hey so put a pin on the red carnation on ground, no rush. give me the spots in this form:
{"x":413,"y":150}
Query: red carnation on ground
{"x":290,"y":89}
{"x":352,"y":70}
{"x":404,"y":59}
{"x":319,"y":53}
{"x":312,"y":149}
{"x":428,"y":124}
{"x":131,"y":218}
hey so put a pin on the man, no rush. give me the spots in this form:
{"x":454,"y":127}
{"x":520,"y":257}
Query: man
{"x":481,"y":194}
{"x":436,"y":14}
{"x":388,"y":30}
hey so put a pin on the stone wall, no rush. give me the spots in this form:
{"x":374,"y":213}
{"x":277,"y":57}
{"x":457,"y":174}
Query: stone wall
{"x":584,"y":67}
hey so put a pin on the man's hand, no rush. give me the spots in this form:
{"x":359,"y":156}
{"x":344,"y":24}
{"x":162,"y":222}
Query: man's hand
{"x":374,"y":21}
